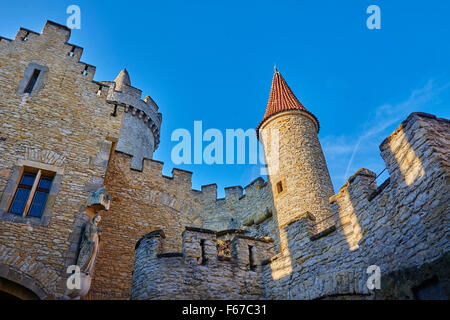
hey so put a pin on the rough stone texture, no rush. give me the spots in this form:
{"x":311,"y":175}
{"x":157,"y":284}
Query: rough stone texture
{"x":296,"y":160}
{"x":147,"y":200}
{"x":187,"y":276}
{"x":237,"y":210}
{"x":404,"y":226}
{"x":63,"y":123}
{"x":141,"y":124}
{"x":73,"y":125}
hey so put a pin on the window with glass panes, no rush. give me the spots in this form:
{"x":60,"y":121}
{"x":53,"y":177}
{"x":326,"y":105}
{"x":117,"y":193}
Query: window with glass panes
{"x":31,"y":194}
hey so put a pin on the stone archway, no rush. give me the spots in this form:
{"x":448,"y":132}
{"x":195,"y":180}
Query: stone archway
{"x":10,"y":290}
{"x":15,"y":284}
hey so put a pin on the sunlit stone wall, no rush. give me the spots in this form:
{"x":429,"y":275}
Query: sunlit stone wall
{"x":401,"y":226}
{"x":64,"y":125}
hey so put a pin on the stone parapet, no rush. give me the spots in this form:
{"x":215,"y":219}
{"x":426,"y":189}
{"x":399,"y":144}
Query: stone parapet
{"x":198,"y":272}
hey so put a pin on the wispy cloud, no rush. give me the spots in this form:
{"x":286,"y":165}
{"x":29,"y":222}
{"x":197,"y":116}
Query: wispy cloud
{"x":351,"y":151}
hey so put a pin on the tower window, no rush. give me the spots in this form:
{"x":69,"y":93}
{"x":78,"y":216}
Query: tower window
{"x":32,"y":81}
{"x":279,"y":187}
{"x":31,"y":194}
{"x":251,"y":259}
{"x":203,"y":253}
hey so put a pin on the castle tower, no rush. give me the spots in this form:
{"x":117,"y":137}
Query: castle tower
{"x":139,"y":135}
{"x":297,"y":168}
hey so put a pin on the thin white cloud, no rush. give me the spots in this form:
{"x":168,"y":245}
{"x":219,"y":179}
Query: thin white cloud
{"x":380,"y":124}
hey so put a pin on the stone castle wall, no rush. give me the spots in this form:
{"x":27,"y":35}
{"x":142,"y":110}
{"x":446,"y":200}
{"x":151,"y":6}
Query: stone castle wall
{"x":145,"y":201}
{"x":192,"y":275}
{"x":64,"y":126}
{"x":401,"y":226}
{"x":71,"y":125}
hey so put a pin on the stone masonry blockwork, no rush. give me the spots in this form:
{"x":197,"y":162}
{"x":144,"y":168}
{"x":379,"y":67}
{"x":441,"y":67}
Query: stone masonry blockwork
{"x":400,"y":226}
{"x":289,"y":237}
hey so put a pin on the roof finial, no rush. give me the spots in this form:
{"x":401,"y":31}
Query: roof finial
{"x":275,"y":67}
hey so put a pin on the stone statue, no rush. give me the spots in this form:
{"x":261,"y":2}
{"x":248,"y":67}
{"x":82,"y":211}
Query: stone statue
{"x":90,"y":240}
{"x":89,"y":246}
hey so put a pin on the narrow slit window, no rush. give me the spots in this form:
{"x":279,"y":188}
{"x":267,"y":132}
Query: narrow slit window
{"x":32,"y":81}
{"x":31,"y":194}
{"x":251,"y":258}
{"x":203,"y":254}
{"x":279,"y":187}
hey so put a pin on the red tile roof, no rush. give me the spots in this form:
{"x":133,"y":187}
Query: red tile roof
{"x":281,"y":99}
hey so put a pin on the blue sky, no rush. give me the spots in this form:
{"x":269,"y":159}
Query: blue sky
{"x":213,"y":61}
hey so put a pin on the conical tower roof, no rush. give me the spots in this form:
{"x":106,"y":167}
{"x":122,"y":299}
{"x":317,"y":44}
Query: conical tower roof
{"x":281,"y":99}
{"x":123,"y":78}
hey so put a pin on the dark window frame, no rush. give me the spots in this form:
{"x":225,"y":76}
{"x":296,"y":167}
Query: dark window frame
{"x":38,"y":176}
{"x":6,"y":197}
{"x":32,"y":82}
{"x":33,"y":79}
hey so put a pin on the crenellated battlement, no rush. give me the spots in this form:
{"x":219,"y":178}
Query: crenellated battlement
{"x":201,"y":245}
{"x":409,"y":152}
{"x":384,"y":225}
{"x":54,"y":38}
{"x":25,"y":35}
{"x":199,"y":208}
{"x":183,"y":178}
{"x":200,"y":270}
{"x":286,"y":238}
{"x":140,"y":133}
{"x":397,"y":225}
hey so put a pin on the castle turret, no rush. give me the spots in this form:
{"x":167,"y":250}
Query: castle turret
{"x":139,"y":135}
{"x":296,"y":165}
{"x":122,"y":79}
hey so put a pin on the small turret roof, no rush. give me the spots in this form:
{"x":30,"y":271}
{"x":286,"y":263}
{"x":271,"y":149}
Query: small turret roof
{"x":281,"y":99}
{"x":123,"y":78}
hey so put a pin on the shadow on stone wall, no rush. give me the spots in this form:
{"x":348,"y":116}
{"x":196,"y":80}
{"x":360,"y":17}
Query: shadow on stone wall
{"x":399,"y":226}
{"x":430,"y":281}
